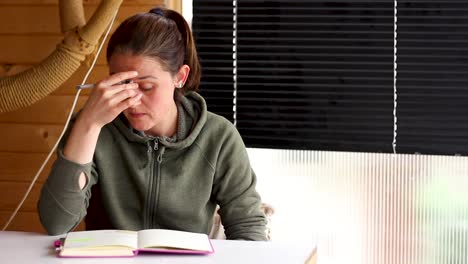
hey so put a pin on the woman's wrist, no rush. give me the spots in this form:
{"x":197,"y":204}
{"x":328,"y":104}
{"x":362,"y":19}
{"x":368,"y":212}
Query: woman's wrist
{"x":86,"y":125}
{"x":82,"y":141}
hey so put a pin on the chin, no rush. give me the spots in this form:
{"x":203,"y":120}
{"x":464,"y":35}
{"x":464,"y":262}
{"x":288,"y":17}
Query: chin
{"x":137,"y":124}
{"x":140,"y":127}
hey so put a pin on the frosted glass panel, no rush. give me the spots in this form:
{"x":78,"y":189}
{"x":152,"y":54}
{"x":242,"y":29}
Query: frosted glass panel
{"x":367,"y":207}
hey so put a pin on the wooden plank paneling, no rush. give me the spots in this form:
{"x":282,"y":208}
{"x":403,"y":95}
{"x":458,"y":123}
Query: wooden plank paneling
{"x":27,"y":222}
{"x":29,"y":20}
{"x":85,"y":2}
{"x":40,"y":112}
{"x":28,"y":138}
{"x":35,"y":49}
{"x":29,"y":49}
{"x":22,"y":167}
{"x":175,"y":5}
{"x":21,"y":20}
{"x":13,"y":192}
{"x":23,"y":221}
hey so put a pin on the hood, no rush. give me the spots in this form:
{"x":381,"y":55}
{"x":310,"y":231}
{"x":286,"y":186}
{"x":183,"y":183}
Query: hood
{"x":192,"y":112}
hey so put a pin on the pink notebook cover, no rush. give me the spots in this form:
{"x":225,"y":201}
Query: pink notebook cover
{"x":58,"y":246}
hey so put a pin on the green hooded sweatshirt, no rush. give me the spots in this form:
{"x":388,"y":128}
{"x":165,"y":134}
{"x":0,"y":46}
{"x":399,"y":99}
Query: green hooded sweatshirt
{"x":158,"y":182}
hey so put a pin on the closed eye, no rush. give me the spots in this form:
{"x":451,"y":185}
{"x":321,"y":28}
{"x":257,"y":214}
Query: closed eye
{"x":145,"y":86}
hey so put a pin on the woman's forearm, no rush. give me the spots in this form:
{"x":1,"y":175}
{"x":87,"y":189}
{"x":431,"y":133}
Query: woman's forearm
{"x":81,"y":142}
{"x":81,"y":145}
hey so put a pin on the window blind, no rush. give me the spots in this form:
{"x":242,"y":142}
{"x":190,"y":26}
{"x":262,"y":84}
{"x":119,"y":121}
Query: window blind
{"x":212,"y":25}
{"x":432,"y":77}
{"x":315,"y":74}
{"x":319,"y":75}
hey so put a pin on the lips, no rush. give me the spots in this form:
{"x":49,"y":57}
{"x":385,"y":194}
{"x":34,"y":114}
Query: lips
{"x":136,"y":115}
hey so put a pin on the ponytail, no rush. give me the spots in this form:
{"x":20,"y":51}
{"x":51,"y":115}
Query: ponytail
{"x":191,"y":57}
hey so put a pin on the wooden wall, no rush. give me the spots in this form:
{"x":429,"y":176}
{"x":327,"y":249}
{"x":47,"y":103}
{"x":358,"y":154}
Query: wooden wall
{"x":29,"y":31}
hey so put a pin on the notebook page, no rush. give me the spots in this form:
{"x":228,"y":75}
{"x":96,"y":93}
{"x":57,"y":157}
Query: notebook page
{"x":155,"y":238}
{"x":100,"y":238}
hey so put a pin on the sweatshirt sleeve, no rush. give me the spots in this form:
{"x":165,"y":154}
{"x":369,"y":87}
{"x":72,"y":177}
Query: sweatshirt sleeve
{"x":62,"y":204}
{"x":235,"y":192}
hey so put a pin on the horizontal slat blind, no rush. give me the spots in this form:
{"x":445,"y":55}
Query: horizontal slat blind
{"x":212,"y":26}
{"x":315,"y":74}
{"x":320,"y":74}
{"x":433,"y":76}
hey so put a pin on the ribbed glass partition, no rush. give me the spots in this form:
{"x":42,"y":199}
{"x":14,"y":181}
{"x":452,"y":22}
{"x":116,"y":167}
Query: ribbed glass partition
{"x":368,"y":207}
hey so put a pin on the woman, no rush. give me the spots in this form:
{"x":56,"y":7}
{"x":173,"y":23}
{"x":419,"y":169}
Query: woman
{"x":160,"y":158}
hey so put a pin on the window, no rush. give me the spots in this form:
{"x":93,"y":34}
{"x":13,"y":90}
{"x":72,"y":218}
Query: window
{"x":320,"y":75}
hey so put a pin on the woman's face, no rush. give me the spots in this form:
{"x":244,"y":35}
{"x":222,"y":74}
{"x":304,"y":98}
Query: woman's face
{"x":157,"y":113}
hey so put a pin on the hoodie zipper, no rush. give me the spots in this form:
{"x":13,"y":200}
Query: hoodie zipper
{"x":154,"y":182}
{"x":156,"y":145}
{"x":158,"y":185}
{"x":149,"y":195}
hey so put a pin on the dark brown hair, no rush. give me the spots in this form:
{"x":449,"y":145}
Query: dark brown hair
{"x":161,"y":34}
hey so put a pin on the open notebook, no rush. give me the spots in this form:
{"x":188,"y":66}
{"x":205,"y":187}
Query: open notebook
{"x":123,"y":243}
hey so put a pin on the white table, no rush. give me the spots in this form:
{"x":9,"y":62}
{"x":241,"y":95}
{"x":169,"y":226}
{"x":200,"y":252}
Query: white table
{"x":23,"y":247}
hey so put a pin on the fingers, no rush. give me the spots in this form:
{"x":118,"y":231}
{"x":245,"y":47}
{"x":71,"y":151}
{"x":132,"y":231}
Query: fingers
{"x":130,"y":102}
{"x":116,"y":83}
{"x":117,"y":95}
{"x":109,"y":98}
{"x":125,"y":95}
{"x":119,"y":78}
{"x":124,"y":100}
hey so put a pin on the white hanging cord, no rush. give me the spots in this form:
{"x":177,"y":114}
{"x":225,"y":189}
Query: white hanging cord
{"x":234,"y":62}
{"x":394,"y":78}
{"x":64,"y":128}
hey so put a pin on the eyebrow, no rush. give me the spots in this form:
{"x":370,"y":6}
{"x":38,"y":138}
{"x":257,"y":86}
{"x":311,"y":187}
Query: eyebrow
{"x":147,"y":77}
{"x":142,"y":77}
